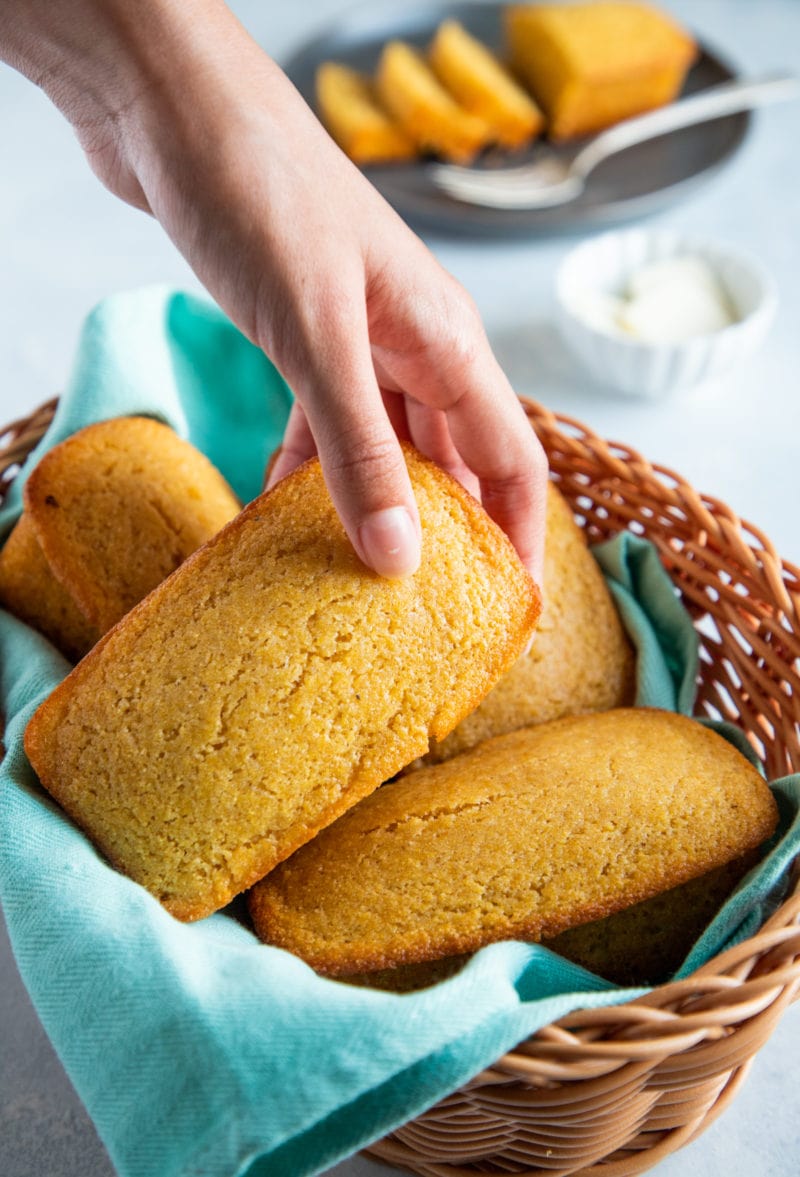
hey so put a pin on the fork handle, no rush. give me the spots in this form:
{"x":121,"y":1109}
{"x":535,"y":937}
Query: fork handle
{"x":727,"y":98}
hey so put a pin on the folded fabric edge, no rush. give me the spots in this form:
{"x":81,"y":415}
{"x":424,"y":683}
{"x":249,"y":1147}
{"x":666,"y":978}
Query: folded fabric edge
{"x":388,"y":1107}
{"x":667,"y":644}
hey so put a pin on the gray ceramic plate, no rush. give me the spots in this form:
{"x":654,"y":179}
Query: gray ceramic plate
{"x":639,"y":181}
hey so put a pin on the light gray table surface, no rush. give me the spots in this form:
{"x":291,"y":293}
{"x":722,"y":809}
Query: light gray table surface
{"x":65,"y":243}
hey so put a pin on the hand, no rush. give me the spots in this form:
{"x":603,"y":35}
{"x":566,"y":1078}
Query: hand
{"x":181,"y":114}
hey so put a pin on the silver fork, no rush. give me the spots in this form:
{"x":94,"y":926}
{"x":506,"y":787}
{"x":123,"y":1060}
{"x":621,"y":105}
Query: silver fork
{"x":552,"y":181}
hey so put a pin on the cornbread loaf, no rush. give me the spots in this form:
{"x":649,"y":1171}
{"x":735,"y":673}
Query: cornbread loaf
{"x":590,"y":65}
{"x":478,"y":81}
{"x":272,"y":681}
{"x":580,"y":659}
{"x":349,"y":109}
{"x":427,"y":112}
{"x":108,"y":514}
{"x":524,"y":836}
{"x":29,"y":590}
{"x":118,"y":506}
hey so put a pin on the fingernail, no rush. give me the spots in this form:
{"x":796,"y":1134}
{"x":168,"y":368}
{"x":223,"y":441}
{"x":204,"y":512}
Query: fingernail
{"x":389,"y":542}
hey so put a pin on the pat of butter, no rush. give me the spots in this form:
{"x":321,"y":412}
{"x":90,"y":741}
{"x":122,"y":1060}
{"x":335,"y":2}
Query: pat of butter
{"x":674,"y":300}
{"x":664,"y":302}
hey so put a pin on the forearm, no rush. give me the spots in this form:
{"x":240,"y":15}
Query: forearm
{"x":95,"y":57}
{"x":129,"y":75}
{"x":163,"y":97}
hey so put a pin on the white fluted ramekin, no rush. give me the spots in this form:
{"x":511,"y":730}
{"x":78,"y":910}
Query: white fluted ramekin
{"x":603,"y":265}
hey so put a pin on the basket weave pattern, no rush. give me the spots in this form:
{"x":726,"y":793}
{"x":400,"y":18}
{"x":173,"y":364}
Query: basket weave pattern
{"x":612,"y":1091}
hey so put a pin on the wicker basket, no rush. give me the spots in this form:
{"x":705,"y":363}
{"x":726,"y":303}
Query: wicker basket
{"x":612,"y":1091}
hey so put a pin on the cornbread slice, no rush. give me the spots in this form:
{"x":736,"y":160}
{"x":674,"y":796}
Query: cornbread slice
{"x":409,"y":89}
{"x":522,"y":837}
{"x":580,"y":660}
{"x":118,"y":506}
{"x":590,"y":65}
{"x":478,"y":81}
{"x":29,"y":590}
{"x":350,"y":111}
{"x":272,"y":681}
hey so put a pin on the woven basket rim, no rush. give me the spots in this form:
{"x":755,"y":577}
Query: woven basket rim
{"x":745,"y":987}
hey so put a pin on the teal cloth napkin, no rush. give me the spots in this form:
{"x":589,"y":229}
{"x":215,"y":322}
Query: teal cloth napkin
{"x":196,"y":1049}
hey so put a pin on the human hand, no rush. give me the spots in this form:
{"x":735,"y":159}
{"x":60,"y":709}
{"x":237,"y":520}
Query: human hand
{"x":181,"y":114}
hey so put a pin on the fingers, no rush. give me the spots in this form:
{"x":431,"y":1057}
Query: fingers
{"x":340,"y":414}
{"x":387,"y":537}
{"x":368,"y":481}
{"x":480,"y":435}
{"x":468,"y":417}
{"x":430,"y":433}
{"x":298,"y":443}
{"x":297,"y":447}
{"x":497,"y":442}
{"x":395,"y":405}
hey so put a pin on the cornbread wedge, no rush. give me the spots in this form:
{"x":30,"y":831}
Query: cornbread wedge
{"x":580,"y":660}
{"x":350,"y":111}
{"x":591,"y":65}
{"x":478,"y":81}
{"x":108,"y":514}
{"x":409,"y":89}
{"x":520,"y":838}
{"x":272,"y":681}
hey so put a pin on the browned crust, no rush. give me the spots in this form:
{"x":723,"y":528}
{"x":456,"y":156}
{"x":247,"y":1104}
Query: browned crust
{"x":617,"y":947}
{"x":504,"y":659}
{"x":41,"y":484}
{"x":526,"y":587}
{"x":365,"y":961}
{"x":533,"y":931}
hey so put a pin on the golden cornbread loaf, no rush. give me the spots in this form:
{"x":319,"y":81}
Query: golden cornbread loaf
{"x":29,"y":590}
{"x":272,"y":681}
{"x":590,"y":65}
{"x":118,"y":506}
{"x":411,"y":92}
{"x":349,"y":109}
{"x":108,"y":514}
{"x":478,"y":81}
{"x":523,"y":836}
{"x":580,"y":660}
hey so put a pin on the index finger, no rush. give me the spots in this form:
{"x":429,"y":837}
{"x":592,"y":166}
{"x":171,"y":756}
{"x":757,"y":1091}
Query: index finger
{"x":453,"y":371}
